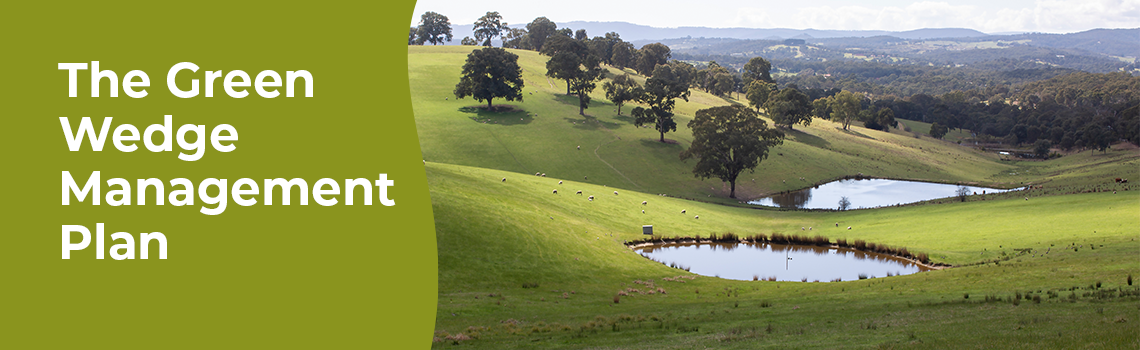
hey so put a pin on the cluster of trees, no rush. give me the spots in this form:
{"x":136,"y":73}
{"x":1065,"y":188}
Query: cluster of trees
{"x":1078,"y":110}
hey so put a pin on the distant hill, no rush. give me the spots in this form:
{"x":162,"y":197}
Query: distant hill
{"x":636,"y":32}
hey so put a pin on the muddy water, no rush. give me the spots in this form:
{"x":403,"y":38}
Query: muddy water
{"x":742,"y":261}
{"x":866,"y":193}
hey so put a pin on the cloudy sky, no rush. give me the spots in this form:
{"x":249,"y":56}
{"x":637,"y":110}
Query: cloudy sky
{"x":1050,"y":16}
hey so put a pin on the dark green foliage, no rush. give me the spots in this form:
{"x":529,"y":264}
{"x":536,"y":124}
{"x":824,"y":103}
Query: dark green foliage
{"x":883,"y":120}
{"x":488,"y":27}
{"x":649,"y":57}
{"x":758,"y":69}
{"x":434,"y":28}
{"x":789,"y":107}
{"x":538,"y":31}
{"x":491,"y":73}
{"x":938,"y":130}
{"x":758,"y":93}
{"x":659,"y":93}
{"x":573,"y":61}
{"x":1041,"y":148}
{"x":621,"y":89}
{"x":728,"y":140}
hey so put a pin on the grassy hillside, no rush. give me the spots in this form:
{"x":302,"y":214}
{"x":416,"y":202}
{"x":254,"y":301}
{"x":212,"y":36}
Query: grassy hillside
{"x":496,"y":237}
{"x":523,"y":267}
{"x":544,"y":133}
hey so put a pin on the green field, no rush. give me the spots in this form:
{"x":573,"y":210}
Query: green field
{"x":523,"y":267}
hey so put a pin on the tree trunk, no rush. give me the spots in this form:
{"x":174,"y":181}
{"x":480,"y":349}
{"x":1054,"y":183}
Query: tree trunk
{"x":489,"y":105}
{"x":732,"y":189}
{"x":662,"y":137}
{"x":567,"y":87}
{"x":619,"y":109}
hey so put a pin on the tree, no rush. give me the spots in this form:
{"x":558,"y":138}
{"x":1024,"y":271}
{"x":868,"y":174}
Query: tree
{"x":845,"y":107}
{"x":488,"y":27}
{"x":757,"y":94}
{"x":789,"y":107}
{"x":468,"y":41}
{"x":583,"y":83}
{"x":621,"y":89}
{"x":580,"y":34}
{"x":659,"y":92}
{"x":758,"y":68}
{"x":568,"y":59}
{"x":728,"y":140}
{"x":622,"y":55}
{"x":434,"y":28}
{"x":844,"y":203}
{"x":1041,"y":148}
{"x":650,"y":56}
{"x":538,"y":30}
{"x":490,"y":73}
{"x":938,"y":130}
{"x":412,"y":36}
{"x":962,"y":192}
{"x":515,"y":38}
{"x":820,"y":109}
{"x":883,"y":120}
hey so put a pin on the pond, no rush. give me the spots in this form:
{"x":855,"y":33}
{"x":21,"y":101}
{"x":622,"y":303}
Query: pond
{"x":744,"y":261}
{"x":866,"y":193}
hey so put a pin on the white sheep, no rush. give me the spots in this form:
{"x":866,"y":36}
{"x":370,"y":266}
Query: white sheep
{"x":644,"y":202}
{"x":697,"y":217}
{"x":579,"y":148}
{"x":543,"y":174}
{"x":559,"y":182}
{"x":682,"y":211}
{"x":585,"y":178}
{"x":579,"y":192}
{"x":536,"y":174}
{"x":848,"y":227}
{"x":591,"y":198}
{"x":643,"y":211}
{"x":615,"y":193}
{"x":555,"y":191}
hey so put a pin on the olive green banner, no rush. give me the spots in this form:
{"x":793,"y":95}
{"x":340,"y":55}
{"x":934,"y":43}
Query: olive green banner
{"x":248,"y":176}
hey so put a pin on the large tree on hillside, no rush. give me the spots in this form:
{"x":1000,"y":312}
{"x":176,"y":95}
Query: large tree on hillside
{"x":621,"y":89}
{"x":488,"y":27}
{"x":650,"y":56}
{"x":412,"y":36}
{"x":434,"y":28}
{"x":584,"y":82}
{"x":567,"y":58}
{"x":491,"y":73}
{"x":758,"y":68}
{"x":728,"y":140}
{"x":538,"y":31}
{"x":883,"y":120}
{"x":659,"y":93}
{"x":845,"y":107}
{"x":789,"y":107}
{"x":622,"y":55}
{"x":758,"y":93}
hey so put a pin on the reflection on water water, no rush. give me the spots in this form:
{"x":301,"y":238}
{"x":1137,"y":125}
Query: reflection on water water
{"x":867,"y":193}
{"x":742,"y":261}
